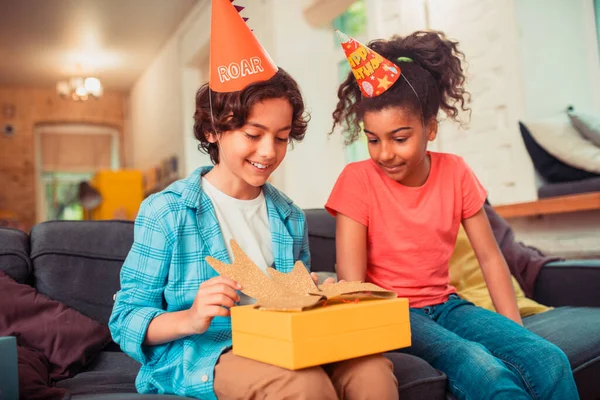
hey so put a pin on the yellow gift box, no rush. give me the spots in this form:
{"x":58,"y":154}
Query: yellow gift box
{"x":335,"y":332}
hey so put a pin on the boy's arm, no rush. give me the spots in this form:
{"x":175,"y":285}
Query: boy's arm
{"x":351,"y":249}
{"x":139,"y":322}
{"x":305,"y":251}
{"x":494,"y":268}
{"x":143,"y":279}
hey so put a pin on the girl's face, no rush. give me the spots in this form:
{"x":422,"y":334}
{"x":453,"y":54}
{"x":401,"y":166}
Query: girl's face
{"x":249,"y":155}
{"x":397,"y":142}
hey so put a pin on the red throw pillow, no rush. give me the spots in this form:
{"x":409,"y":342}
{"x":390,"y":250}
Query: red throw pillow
{"x":67,"y":338}
{"x":34,"y":382}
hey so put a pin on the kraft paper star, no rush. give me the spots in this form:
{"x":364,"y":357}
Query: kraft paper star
{"x":293,"y":291}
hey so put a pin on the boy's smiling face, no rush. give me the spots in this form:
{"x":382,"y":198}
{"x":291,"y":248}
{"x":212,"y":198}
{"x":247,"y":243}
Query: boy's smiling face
{"x":249,"y":155}
{"x":397,"y":142}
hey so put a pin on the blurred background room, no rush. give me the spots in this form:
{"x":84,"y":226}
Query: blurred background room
{"x":97,"y":99}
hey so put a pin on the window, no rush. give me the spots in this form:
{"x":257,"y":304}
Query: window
{"x":61,"y":195}
{"x":66,"y":155}
{"x":353,"y":21}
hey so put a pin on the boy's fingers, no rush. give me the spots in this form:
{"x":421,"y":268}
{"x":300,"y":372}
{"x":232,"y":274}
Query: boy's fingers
{"x":216,"y":311}
{"x":223,"y":289}
{"x":221,"y":280}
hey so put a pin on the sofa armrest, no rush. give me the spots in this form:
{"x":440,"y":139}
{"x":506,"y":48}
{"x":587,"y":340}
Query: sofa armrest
{"x":9,"y":379}
{"x":569,"y":283}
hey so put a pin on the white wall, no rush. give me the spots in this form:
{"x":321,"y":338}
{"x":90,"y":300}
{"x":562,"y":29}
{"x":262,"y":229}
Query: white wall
{"x":487,"y":33}
{"x":560,"y":61}
{"x":501,"y":78}
{"x":154,"y":110}
{"x":161,"y":105}
{"x":310,"y":55}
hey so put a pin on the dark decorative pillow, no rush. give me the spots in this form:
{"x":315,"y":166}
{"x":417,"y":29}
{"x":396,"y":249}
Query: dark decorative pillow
{"x":525,"y":262}
{"x":549,"y":167}
{"x":67,"y":338}
{"x":34,"y":381}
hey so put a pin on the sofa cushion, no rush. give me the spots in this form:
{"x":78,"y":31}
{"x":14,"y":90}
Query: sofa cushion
{"x":68,"y":339}
{"x":78,"y":263}
{"x":416,"y":378}
{"x":576,"y":330}
{"x":14,"y":254}
{"x":321,"y":239}
{"x":567,"y":188}
{"x":111,"y":372}
{"x":116,"y":372}
{"x":110,"y":377}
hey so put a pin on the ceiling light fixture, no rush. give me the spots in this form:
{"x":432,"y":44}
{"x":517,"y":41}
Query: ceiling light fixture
{"x":80,"y":89}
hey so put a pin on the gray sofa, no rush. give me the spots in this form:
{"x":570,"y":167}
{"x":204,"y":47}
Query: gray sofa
{"x":78,"y":263}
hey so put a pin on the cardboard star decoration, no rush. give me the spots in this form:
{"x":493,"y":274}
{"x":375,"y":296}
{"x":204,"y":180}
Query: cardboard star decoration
{"x":294,"y":291}
{"x":374,"y":74}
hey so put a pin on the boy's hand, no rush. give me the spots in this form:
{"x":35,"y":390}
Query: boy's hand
{"x":211,"y":299}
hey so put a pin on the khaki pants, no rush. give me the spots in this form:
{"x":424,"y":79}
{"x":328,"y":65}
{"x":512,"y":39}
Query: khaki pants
{"x":370,"y":377}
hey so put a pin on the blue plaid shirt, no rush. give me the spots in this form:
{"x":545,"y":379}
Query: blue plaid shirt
{"x":174,"y":231}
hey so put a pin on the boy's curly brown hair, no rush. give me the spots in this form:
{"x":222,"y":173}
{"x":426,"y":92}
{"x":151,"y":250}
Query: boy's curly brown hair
{"x":231,"y":110}
{"x":436,"y":74}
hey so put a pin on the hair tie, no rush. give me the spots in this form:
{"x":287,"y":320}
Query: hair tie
{"x":404,"y":59}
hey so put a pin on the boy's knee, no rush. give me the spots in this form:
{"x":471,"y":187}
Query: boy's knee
{"x":310,"y":383}
{"x":371,"y":366}
{"x":370,"y":377}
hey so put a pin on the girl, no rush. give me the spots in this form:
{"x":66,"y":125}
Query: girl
{"x":172,"y":312}
{"x":398,"y":216}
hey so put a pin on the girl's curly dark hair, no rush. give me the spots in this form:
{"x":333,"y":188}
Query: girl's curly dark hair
{"x":436,"y":74}
{"x":231,"y":110}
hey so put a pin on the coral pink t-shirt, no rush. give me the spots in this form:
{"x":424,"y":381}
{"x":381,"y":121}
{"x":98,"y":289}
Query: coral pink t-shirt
{"x":411,"y":231}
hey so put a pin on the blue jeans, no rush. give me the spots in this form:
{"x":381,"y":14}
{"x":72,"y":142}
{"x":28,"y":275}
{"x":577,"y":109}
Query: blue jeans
{"x":488,"y":356}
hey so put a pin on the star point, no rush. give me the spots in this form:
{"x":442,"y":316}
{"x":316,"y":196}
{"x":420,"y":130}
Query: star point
{"x":384,"y":83}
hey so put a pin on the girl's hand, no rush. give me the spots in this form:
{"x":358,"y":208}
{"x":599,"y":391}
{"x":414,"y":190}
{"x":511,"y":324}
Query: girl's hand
{"x":211,"y":299}
{"x":327,"y":281}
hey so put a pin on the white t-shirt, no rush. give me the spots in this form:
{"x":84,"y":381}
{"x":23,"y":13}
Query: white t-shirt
{"x":247,"y":222}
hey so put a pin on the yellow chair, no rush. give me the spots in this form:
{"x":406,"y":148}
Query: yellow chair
{"x":122,"y":194}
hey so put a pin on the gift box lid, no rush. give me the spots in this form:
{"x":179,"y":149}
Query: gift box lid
{"x":331,"y":319}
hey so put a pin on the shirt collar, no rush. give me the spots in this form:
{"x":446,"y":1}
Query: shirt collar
{"x":192,"y":193}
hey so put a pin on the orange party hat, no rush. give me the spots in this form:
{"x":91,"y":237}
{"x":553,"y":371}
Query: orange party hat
{"x":236,"y":57}
{"x":373,"y":73}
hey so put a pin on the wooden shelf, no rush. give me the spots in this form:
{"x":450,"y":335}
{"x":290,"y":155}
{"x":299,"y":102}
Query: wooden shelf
{"x":554,"y":205}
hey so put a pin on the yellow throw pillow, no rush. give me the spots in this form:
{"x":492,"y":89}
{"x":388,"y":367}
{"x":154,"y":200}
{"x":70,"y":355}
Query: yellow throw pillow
{"x":466,"y":276}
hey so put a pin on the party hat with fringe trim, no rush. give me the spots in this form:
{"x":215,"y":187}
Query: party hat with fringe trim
{"x":236,"y":57}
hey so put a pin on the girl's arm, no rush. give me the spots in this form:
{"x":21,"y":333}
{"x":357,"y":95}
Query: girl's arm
{"x":351,"y":249}
{"x":494,"y":268}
